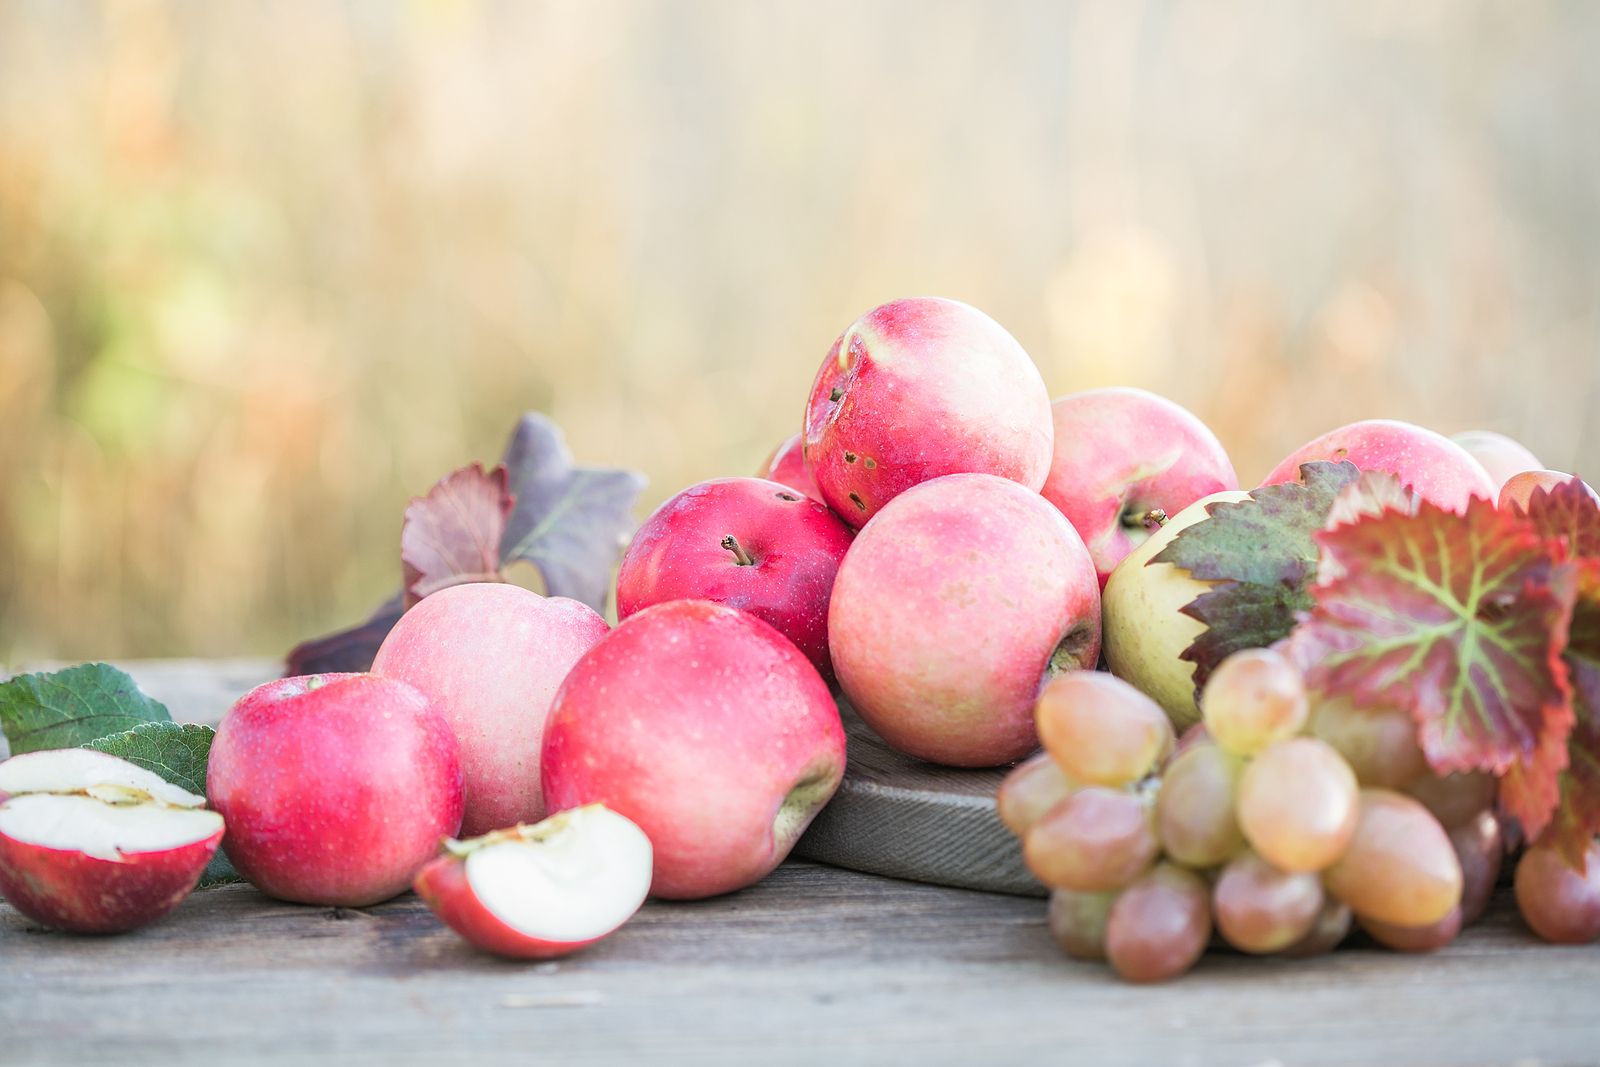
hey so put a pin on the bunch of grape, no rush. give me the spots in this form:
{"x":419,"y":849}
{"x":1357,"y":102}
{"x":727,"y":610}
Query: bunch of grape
{"x":1278,"y":823}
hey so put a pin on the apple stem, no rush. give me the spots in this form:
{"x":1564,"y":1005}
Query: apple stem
{"x":740,"y":556}
{"x":1154,"y":519}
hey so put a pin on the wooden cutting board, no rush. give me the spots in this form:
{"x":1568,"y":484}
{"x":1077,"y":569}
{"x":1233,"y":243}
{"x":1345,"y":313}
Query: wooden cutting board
{"x":898,"y":816}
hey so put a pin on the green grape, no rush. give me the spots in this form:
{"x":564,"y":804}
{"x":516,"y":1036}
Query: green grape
{"x":1195,"y":808}
{"x":1380,"y":744}
{"x":1428,"y":938}
{"x":1078,"y":922}
{"x":1328,"y":931}
{"x":1253,"y":699}
{"x":1455,"y":798}
{"x":1298,"y":804}
{"x":1480,"y":849}
{"x":1400,"y":867}
{"x":1100,"y":729}
{"x":1560,"y":904}
{"x":1032,"y":788}
{"x":1160,"y":925}
{"x":1260,"y":909}
{"x":1094,"y":841}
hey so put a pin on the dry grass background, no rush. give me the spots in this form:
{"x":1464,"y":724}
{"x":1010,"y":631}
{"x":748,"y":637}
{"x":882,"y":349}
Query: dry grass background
{"x":266,"y":270}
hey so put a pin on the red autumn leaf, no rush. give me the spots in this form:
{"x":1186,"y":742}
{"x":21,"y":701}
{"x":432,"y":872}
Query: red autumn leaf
{"x":1568,"y":512}
{"x":452,"y":535}
{"x":1460,"y":619}
{"x":1577,"y":816}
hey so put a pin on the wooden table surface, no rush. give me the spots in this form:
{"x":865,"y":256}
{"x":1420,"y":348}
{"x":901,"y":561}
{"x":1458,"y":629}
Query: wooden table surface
{"x":814,"y":965}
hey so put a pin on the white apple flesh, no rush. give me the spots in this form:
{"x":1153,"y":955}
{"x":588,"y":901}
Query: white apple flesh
{"x":542,"y":891}
{"x":93,"y":844}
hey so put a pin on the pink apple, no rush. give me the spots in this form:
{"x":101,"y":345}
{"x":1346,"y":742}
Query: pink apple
{"x":706,"y":727}
{"x":1121,"y":454}
{"x":337,"y":788}
{"x":1439,"y":470}
{"x":954,"y":605}
{"x":1500,"y":455}
{"x":1519,"y":488}
{"x":93,"y":844}
{"x":538,"y":892}
{"x":490,"y":657}
{"x":787,"y":466}
{"x":917,"y":389}
{"x":747,"y":543}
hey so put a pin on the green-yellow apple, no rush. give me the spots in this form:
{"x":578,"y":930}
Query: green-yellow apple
{"x":1144,"y":625}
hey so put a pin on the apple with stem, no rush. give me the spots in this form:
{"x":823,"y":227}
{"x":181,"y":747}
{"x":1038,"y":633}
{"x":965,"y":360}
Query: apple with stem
{"x":541,"y":891}
{"x":490,"y":657}
{"x":707,"y":728}
{"x":93,"y":844}
{"x":748,"y":543}
{"x":787,"y":466}
{"x":1439,"y":470}
{"x":920,"y":388}
{"x":337,"y":788}
{"x":955,"y":604}
{"x":1123,"y":456}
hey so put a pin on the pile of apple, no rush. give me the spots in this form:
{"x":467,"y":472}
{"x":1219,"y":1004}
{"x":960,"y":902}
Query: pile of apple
{"x":933,"y":545}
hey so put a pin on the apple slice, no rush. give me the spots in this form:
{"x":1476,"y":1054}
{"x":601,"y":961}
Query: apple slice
{"x":96,"y":845}
{"x":541,"y":891}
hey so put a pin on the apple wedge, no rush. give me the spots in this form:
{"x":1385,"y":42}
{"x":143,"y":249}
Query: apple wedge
{"x":93,"y":844}
{"x":542,"y":891}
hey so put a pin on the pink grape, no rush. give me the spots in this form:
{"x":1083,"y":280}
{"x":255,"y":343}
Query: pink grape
{"x":1032,"y":788}
{"x":1100,"y":729}
{"x":1094,"y":841}
{"x":1400,"y":867}
{"x":1380,"y":744}
{"x":1297,"y":804}
{"x":1560,"y":904}
{"x":1455,"y":798}
{"x":1195,"y":808}
{"x":1253,"y":699}
{"x":1159,"y":925}
{"x":1260,"y":909}
{"x":1428,"y":938}
{"x":1480,"y":849}
{"x":1078,"y":922}
{"x":1328,"y":931}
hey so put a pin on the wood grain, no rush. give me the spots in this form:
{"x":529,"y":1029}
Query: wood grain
{"x":898,"y":816}
{"x":814,"y":965}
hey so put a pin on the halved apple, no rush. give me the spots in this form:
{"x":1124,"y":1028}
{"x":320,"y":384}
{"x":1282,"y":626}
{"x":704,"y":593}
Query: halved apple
{"x":93,"y":844}
{"x":542,"y":891}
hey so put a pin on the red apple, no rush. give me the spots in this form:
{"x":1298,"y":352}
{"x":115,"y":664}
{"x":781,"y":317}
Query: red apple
{"x":747,"y":543}
{"x":952,"y":608}
{"x":1519,"y":488}
{"x":920,"y":388}
{"x":337,"y":788}
{"x":1121,"y":454}
{"x":787,"y":466}
{"x":490,"y":657}
{"x":1500,"y":455}
{"x":706,"y":727}
{"x":93,"y":844}
{"x":1439,"y":470}
{"x":538,"y":892}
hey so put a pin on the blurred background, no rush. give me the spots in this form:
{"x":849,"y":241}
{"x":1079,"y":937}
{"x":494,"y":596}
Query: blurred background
{"x":268,"y":270}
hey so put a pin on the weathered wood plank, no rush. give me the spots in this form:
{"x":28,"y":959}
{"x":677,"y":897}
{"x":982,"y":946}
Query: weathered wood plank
{"x":813,"y":965}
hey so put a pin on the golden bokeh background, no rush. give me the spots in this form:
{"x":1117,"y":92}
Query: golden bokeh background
{"x":267,"y":270}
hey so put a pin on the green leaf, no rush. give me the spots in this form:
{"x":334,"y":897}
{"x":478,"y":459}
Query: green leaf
{"x":1264,"y":553}
{"x":177,"y":753}
{"x":72,"y":707}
